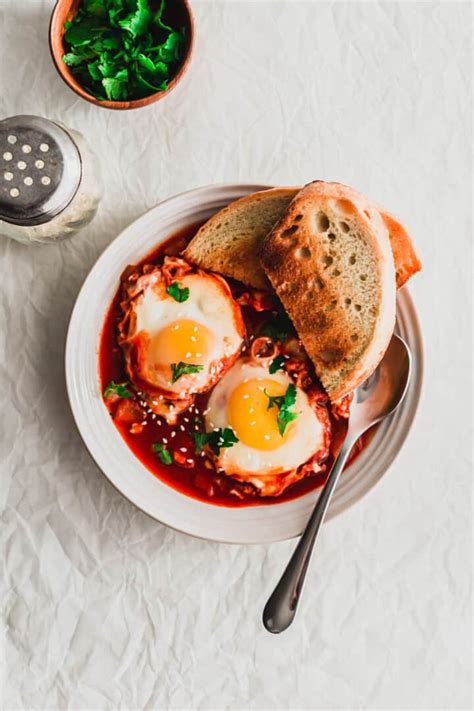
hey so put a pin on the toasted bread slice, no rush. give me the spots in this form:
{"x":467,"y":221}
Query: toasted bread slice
{"x":229,"y":242}
{"x":330,"y":262}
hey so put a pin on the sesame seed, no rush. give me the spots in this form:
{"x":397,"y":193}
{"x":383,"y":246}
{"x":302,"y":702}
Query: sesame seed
{"x":196,"y":428}
{"x":188,"y":355}
{"x":251,"y":409}
{"x":252,"y":424}
{"x":173,"y":434}
{"x":154,"y":402}
{"x":176,"y":327}
{"x":193,"y":339}
{"x":183,"y":449}
{"x":267,"y":437}
{"x":190,"y":461}
{"x":186,"y":419}
{"x":245,"y":397}
{"x":164,"y":440}
{"x":216,"y":429}
{"x":198,"y":355}
{"x":153,"y":416}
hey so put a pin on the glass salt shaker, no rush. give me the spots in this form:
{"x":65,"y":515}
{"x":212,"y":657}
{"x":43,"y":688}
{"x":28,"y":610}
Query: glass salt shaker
{"x":49,"y":180}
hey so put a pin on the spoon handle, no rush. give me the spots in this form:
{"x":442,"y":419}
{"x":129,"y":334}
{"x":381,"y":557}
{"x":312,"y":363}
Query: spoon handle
{"x":281,"y":606}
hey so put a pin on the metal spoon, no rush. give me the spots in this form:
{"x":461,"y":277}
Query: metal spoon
{"x":377,"y":397}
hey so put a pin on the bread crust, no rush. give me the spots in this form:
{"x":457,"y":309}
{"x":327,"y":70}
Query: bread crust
{"x":321,"y":323}
{"x":241,"y":262}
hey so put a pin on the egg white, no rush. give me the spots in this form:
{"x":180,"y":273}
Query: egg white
{"x":208,"y":305}
{"x":304,"y":439}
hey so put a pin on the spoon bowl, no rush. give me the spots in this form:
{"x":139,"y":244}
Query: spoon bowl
{"x":377,"y":398}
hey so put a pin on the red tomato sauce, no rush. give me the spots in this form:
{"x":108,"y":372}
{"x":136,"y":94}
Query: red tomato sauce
{"x":192,"y":477}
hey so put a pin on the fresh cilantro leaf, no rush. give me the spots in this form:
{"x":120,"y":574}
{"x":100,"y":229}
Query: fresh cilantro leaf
{"x":276,"y":364}
{"x":126,"y":42}
{"x":279,"y":328}
{"x":178,"y":293}
{"x":158,"y":18}
{"x":283,"y":403}
{"x":78,"y":35}
{"x":161,"y":452}
{"x":119,"y":389}
{"x":137,"y":22}
{"x":115,"y":88}
{"x":94,"y":71}
{"x":200,"y":439}
{"x":170,"y":49}
{"x":179,"y":369}
{"x":72,"y":60}
{"x":217,"y":439}
{"x":146,"y":62}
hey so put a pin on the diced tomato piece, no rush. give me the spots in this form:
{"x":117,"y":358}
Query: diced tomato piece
{"x":128,"y":412}
{"x":183,"y":460}
{"x":137,"y":428}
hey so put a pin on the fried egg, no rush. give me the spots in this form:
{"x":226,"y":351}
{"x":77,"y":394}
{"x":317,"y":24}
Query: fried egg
{"x":177,"y":348}
{"x":263,"y":456}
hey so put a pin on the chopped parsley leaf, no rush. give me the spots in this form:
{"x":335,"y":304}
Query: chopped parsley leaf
{"x":276,"y":364}
{"x":178,"y":293}
{"x":283,"y":403}
{"x":179,"y":369}
{"x":279,"y":328}
{"x":161,"y":452}
{"x":122,"y":49}
{"x":217,"y":439}
{"x":119,"y":389}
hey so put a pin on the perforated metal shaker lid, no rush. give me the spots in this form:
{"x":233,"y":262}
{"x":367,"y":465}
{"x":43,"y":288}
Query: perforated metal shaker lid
{"x":40,"y":170}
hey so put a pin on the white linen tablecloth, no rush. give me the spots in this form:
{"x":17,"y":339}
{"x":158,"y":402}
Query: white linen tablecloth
{"x":103,"y":607}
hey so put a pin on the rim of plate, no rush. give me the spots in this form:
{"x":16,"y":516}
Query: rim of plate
{"x":253,"y":524}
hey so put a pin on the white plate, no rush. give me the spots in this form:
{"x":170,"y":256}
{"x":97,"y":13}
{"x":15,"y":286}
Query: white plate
{"x":253,"y":524}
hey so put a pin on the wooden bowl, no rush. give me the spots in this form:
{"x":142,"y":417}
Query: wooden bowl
{"x":65,"y":10}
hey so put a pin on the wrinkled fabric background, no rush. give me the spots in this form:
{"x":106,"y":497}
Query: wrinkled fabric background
{"x":105,"y":608}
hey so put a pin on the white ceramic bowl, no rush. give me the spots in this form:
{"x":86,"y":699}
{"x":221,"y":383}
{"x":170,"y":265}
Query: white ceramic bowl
{"x":253,"y":524}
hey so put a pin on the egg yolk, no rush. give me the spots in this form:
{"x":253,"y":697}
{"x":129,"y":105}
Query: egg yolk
{"x":182,"y":341}
{"x":247,"y":410}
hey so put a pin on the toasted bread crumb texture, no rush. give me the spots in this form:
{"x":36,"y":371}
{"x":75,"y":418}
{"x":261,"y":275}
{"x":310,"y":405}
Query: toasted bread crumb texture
{"x":230,"y":242}
{"x":325,"y":263}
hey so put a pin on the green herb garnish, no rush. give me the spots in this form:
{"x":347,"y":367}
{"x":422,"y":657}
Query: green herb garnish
{"x":217,"y":439}
{"x":279,"y":328}
{"x":179,"y":369}
{"x":276,"y":364}
{"x":284,"y":403}
{"x":121,"y":49}
{"x":119,"y":389}
{"x":161,"y":452}
{"x":178,"y":293}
